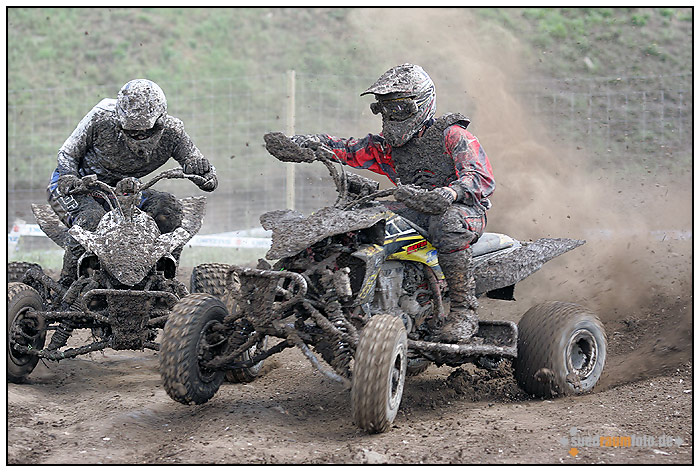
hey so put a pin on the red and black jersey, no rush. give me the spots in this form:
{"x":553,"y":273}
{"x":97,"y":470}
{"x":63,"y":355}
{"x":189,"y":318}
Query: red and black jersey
{"x":469,"y":172}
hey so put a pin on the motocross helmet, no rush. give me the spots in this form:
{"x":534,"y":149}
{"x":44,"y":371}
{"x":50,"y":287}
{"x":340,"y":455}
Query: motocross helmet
{"x":406,"y":100}
{"x":141,"y":109}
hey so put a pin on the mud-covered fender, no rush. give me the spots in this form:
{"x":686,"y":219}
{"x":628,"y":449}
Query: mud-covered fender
{"x":505,"y":268}
{"x":193,"y":211}
{"x":50,"y":224}
{"x":293,"y":232}
{"x":129,"y":250}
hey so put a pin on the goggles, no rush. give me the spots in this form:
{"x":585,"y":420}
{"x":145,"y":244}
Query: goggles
{"x":395,"y":110}
{"x":142,"y":134}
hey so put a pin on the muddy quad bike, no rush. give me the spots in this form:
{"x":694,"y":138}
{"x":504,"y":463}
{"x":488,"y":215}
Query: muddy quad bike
{"x":125,"y":284}
{"x":361,"y":286}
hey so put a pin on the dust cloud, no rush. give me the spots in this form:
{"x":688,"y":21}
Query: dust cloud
{"x":546,"y":188}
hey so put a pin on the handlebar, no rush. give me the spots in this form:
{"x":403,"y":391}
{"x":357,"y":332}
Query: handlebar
{"x":90,"y":184}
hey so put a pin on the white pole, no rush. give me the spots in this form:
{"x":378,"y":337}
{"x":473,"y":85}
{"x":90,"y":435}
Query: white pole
{"x":290,"y":132}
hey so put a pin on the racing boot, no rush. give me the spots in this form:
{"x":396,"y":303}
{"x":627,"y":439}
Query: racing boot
{"x":69,"y":272}
{"x":462,"y":321}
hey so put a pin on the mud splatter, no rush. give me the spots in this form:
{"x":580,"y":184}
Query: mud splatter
{"x":480,"y":385}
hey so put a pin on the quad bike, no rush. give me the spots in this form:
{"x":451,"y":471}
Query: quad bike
{"x":124,"y":288}
{"x":361,"y":286}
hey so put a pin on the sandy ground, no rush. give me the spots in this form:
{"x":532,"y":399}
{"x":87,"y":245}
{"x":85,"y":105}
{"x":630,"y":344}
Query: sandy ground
{"x":109,"y":407}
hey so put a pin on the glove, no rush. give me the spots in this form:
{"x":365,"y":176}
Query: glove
{"x":210,"y":183}
{"x":433,"y":202}
{"x":197,"y":166}
{"x":68,"y":183}
{"x":127,"y":186}
{"x":287,"y":149}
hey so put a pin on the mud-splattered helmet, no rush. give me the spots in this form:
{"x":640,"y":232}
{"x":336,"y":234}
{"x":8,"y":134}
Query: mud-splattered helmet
{"x":406,"y":100}
{"x":141,"y":109}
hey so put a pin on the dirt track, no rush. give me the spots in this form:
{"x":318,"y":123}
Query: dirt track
{"x":110,"y":407}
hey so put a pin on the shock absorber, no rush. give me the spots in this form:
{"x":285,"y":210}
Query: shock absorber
{"x":71,"y":301}
{"x":61,"y":335}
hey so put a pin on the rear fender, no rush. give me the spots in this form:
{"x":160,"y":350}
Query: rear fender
{"x":505,"y":268}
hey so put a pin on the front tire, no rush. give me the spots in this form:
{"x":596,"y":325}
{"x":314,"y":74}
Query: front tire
{"x":379,"y":373}
{"x":561,"y":350}
{"x":212,"y":278}
{"x":23,"y":328}
{"x":191,"y":336}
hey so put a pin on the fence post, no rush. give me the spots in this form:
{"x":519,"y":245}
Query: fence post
{"x":291,"y":76}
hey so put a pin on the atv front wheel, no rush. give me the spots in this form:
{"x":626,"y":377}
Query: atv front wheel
{"x":25,"y":328}
{"x":212,"y":278}
{"x":379,"y":373}
{"x":561,"y":350}
{"x":191,"y":337}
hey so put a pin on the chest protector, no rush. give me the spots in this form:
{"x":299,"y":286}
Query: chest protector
{"x":424,"y":161}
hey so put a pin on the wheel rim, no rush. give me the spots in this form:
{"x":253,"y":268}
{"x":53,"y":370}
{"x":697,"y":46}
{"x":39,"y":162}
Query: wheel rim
{"x":24,"y":335}
{"x":582,"y":353}
{"x":396,"y":379}
{"x":211,"y":344}
{"x":250,"y":353}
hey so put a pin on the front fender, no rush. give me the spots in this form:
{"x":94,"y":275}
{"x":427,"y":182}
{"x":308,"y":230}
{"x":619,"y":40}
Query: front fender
{"x":293,"y":232}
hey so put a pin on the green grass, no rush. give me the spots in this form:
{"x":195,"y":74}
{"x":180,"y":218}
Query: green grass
{"x":47,"y":259}
{"x":74,"y":50}
{"x":620,"y":40}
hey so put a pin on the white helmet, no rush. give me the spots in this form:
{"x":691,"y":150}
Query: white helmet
{"x":139,"y":104}
{"x":141,"y":109}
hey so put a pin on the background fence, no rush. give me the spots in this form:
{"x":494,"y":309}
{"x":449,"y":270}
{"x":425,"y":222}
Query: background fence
{"x":637,"y":118}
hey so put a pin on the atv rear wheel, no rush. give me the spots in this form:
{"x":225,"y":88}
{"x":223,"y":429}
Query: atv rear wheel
{"x":191,"y":337}
{"x":24,"y":328}
{"x":17,"y":269}
{"x":561,"y":350}
{"x":379,"y":373}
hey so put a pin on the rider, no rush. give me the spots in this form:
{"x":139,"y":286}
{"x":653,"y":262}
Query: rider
{"x":438,"y":156}
{"x":126,"y":138}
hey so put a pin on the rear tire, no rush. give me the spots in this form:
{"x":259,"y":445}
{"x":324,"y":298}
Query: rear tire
{"x":189,"y":338}
{"x":23,"y":328}
{"x":379,"y":373}
{"x":561,"y":350}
